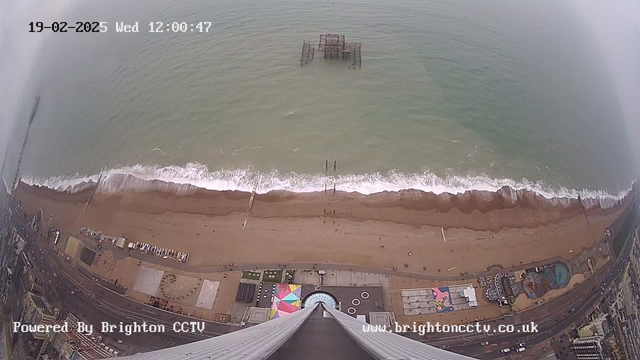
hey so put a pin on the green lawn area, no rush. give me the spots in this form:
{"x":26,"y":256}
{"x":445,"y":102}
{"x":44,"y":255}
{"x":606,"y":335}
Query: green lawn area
{"x":272,"y":276}
{"x":251,"y":275}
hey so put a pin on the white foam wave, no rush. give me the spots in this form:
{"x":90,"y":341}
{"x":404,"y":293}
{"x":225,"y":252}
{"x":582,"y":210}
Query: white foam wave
{"x":187,"y":179}
{"x":70,"y":183}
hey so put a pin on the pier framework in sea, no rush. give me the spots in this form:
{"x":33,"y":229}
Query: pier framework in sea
{"x":333,"y":46}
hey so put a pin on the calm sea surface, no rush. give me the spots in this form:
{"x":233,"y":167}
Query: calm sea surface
{"x":451,"y":94}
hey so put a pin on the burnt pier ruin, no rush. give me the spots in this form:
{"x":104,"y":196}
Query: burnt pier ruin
{"x":333,"y":46}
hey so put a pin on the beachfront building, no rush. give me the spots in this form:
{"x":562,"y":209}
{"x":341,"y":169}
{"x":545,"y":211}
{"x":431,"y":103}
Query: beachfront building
{"x":588,"y":348}
{"x":37,"y":310}
{"x":598,"y":327}
{"x":73,"y":345}
{"x":317,"y":331}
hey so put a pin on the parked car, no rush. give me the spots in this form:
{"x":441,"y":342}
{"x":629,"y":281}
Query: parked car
{"x":505,"y":351}
{"x":56,"y":235}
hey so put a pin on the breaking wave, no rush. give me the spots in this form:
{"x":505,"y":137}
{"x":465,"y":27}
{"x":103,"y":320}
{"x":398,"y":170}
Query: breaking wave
{"x":193,"y":176}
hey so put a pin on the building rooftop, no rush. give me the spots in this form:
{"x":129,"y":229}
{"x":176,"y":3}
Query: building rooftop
{"x":86,"y":347}
{"x":41,"y":303}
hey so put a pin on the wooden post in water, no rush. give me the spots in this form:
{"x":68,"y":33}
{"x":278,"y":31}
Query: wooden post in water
{"x":92,"y":193}
{"x":253,"y":195}
{"x":334,"y":188}
{"x":326,"y":165}
{"x":335,"y":164}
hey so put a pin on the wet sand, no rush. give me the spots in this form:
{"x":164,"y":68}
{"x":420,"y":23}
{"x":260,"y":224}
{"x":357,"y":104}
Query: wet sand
{"x":402,"y":230}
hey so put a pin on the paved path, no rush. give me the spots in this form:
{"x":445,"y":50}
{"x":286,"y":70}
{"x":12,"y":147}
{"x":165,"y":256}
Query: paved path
{"x":137,"y":254}
{"x":329,"y":266}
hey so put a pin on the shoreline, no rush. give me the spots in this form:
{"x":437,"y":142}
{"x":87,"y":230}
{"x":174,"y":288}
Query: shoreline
{"x":194,"y":177}
{"x":444,"y":210}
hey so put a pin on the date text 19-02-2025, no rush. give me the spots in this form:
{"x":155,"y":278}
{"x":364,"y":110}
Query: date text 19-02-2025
{"x":102,"y":26}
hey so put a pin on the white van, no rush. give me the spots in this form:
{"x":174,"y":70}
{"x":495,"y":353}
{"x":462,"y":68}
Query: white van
{"x":56,"y":236}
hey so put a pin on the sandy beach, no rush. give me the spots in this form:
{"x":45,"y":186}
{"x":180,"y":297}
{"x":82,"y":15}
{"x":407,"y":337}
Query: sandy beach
{"x":389,"y":230}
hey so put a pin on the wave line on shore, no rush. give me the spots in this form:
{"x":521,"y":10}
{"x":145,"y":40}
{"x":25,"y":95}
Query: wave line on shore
{"x":193,"y":176}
